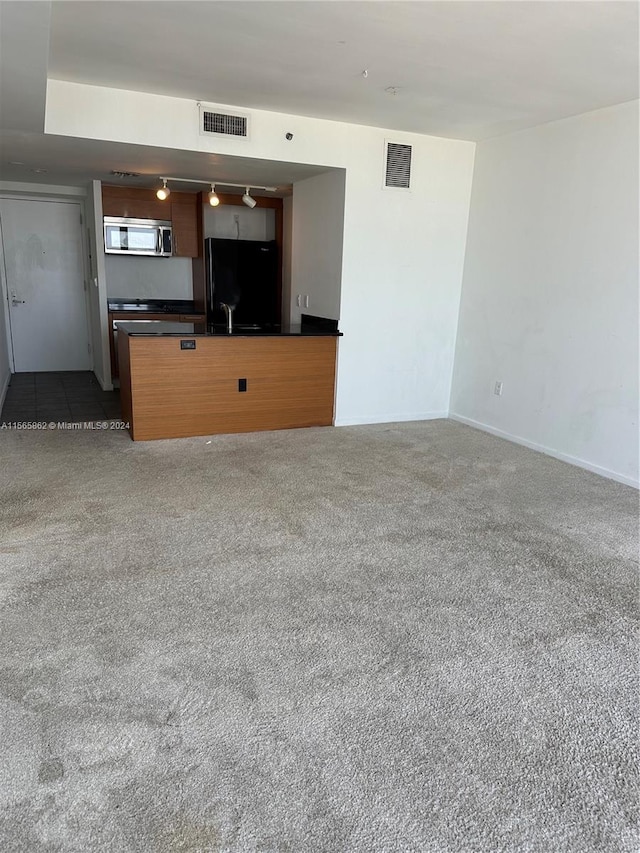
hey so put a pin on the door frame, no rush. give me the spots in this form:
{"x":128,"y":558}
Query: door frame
{"x":4,"y":285}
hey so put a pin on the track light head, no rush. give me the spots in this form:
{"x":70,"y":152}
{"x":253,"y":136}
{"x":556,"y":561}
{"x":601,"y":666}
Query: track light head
{"x":164,"y":192}
{"x":246,"y":198}
{"x":214,"y":201}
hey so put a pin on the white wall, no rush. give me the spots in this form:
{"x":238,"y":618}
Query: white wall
{"x":550,"y":295}
{"x":403,"y":252}
{"x":317,"y":231}
{"x":5,"y":369}
{"x":148,"y":278}
{"x":98,"y":318}
{"x":41,"y":190}
{"x":256,"y":224}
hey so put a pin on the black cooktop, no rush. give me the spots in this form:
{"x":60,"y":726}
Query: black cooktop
{"x":152,"y":306}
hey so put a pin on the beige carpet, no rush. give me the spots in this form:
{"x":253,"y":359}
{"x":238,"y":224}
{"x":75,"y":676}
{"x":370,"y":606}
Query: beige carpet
{"x":408,"y":637}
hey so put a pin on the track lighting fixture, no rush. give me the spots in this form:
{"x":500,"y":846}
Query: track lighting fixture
{"x":164,"y":191}
{"x":246,"y":198}
{"x":214,"y":201}
{"x":212,"y":197}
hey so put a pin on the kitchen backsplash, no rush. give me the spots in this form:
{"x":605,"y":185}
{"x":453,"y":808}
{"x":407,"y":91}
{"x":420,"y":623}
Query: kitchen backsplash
{"x":149,"y":278}
{"x":256,"y":224}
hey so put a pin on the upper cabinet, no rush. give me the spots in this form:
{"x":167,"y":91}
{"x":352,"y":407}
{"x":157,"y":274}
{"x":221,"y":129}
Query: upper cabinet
{"x":184,"y":219}
{"x":134,"y":203}
{"x":181,"y":209}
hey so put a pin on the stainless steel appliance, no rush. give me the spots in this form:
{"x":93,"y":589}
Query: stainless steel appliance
{"x":124,"y":236}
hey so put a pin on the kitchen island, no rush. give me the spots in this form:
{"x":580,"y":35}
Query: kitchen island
{"x":149,"y":310}
{"x":177,"y":382}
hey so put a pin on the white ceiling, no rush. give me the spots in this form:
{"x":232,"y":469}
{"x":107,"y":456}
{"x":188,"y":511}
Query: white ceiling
{"x":463,"y":69}
{"x":71,"y":161}
{"x":24,"y":51}
{"x":459,"y":69}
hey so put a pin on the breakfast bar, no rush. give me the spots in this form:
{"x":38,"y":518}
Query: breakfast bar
{"x":176,"y":382}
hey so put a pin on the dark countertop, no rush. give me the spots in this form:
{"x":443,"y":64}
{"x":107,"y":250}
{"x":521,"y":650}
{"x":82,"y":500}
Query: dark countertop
{"x":152,"y":306}
{"x":186,"y":330}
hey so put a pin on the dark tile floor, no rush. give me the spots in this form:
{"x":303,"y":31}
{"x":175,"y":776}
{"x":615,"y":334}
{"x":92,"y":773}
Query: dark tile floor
{"x":68,"y":396}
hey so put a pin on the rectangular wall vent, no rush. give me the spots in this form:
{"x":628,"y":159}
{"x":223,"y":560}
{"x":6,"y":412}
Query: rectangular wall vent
{"x":398,"y":166}
{"x":218,"y":123}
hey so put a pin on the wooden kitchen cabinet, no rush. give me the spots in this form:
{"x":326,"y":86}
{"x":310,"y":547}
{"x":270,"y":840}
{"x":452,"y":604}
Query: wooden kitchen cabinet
{"x":134,"y":203}
{"x":198,"y":319}
{"x":181,"y":209}
{"x":170,"y":392}
{"x":184,"y":221}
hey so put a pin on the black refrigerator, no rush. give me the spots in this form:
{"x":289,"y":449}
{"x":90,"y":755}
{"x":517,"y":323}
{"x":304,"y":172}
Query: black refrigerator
{"x":243,"y":273}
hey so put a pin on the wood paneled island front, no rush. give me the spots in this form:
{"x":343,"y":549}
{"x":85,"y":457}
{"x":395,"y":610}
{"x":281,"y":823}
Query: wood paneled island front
{"x":175,"y":384}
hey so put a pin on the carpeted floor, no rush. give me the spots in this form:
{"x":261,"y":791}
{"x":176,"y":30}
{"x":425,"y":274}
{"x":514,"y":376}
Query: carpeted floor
{"x":411,"y":637}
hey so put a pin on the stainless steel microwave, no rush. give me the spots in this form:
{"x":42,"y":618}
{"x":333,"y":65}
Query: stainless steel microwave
{"x":123,"y":236}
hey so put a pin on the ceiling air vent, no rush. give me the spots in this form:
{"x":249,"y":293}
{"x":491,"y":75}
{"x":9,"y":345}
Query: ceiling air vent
{"x":398,"y":166}
{"x":216,"y":123}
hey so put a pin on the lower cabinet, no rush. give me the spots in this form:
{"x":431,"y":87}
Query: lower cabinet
{"x":114,"y":316}
{"x":225,"y":384}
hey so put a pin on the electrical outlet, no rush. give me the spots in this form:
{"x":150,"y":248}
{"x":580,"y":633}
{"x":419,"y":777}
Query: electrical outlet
{"x":236,"y":217}
{"x":497,"y":388}
{"x":299,"y":300}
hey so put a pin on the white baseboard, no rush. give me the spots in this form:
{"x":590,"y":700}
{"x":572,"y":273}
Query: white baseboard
{"x":563,"y":457}
{"x":106,"y":386}
{"x":390,"y":419}
{"x":3,"y":388}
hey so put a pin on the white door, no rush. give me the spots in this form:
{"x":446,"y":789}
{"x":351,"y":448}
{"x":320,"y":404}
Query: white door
{"x":44,"y":266}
